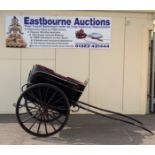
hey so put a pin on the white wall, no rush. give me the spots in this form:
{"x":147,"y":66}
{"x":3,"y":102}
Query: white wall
{"x":118,"y":76}
{"x":136,"y":65}
{"x":106,"y":70}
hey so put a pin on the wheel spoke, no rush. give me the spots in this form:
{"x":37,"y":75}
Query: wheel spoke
{"x":39,"y":125}
{"x":34,"y":97}
{"x":58,"y":100}
{"x":27,"y":112}
{"x":52,"y":125}
{"x":45,"y":125}
{"x":52,"y":97}
{"x":58,"y":118}
{"x":51,"y":116}
{"x":55,"y":114}
{"x":55,"y":118}
{"x":34,"y":122}
{"x":52,"y":111}
{"x":21,"y":106}
{"x":35,"y":105}
{"x":45,"y":95}
{"x":27,"y":119}
{"x":57,"y":108}
{"x":40,"y":96}
{"x":30,"y":107}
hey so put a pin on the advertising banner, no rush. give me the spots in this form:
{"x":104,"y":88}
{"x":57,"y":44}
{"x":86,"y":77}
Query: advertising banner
{"x":58,"y":32}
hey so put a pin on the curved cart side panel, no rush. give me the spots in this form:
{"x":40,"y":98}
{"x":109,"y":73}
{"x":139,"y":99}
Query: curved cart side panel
{"x":72,"y":90}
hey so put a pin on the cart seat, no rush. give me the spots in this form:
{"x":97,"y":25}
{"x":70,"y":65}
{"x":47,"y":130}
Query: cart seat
{"x":40,"y":68}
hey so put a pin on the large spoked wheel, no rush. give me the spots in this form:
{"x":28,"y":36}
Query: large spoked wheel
{"x":42,"y":110}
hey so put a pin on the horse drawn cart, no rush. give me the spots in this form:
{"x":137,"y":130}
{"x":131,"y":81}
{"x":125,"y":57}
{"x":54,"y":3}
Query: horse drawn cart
{"x":43,"y":108}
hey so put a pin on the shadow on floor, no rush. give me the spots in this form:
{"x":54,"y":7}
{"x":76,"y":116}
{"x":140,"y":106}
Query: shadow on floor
{"x":91,"y":129}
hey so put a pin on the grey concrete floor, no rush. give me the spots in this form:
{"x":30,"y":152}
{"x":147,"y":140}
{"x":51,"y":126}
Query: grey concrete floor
{"x":81,"y":129}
